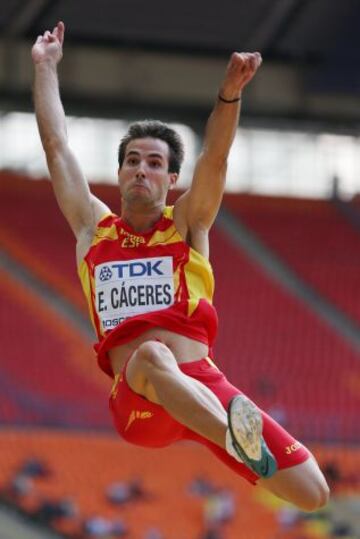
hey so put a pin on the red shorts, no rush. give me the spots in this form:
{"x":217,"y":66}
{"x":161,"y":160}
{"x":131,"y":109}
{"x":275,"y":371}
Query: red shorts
{"x":147,"y":424}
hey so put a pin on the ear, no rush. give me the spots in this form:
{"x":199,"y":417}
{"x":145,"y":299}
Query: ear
{"x":173,"y":176}
{"x":119,"y":180}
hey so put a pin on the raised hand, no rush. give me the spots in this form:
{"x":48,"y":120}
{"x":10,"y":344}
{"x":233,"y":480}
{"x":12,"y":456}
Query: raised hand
{"x":48,"y":47}
{"x":240,"y":70}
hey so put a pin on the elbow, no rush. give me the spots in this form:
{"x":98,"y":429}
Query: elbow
{"x":202,"y":219}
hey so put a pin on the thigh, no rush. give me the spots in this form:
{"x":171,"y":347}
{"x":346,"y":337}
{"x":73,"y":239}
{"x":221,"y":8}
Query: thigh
{"x":303,"y":485}
{"x":140,"y":421}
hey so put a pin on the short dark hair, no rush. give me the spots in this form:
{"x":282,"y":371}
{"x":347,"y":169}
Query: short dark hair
{"x":159,"y":130}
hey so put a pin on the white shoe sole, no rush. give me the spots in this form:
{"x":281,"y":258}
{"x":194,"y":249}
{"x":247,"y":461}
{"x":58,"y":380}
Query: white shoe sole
{"x":246,"y":425}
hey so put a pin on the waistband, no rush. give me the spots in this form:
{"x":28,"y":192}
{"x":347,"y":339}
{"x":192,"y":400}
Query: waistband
{"x":191,"y":366}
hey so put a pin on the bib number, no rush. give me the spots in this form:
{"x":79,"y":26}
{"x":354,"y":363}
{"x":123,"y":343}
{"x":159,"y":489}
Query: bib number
{"x":127,"y":288}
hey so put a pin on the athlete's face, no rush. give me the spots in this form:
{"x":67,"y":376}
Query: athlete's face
{"x":144,"y":176}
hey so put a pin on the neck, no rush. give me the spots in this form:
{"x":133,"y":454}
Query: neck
{"x":141,"y":219}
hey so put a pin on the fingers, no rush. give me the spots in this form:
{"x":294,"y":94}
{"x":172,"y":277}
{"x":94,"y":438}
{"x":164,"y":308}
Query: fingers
{"x":61,"y":31}
{"x":56,"y":35}
{"x":48,"y":37}
{"x":243,"y":66}
{"x":255,"y":60}
{"x":245,"y":61}
{"x":240,"y":70}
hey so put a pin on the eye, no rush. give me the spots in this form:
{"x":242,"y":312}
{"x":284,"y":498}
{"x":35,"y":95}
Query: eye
{"x":132,"y":161}
{"x":155,"y":164}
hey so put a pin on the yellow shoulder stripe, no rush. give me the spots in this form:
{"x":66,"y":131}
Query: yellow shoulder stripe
{"x":168,"y":212}
{"x":105,"y":233}
{"x":170,"y":235}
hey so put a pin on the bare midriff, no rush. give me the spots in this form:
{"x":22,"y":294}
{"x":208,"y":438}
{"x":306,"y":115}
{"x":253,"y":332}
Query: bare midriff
{"x":183,"y":348}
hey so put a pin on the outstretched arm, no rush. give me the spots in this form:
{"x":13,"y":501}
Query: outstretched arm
{"x":79,"y":206}
{"x":197,"y":208}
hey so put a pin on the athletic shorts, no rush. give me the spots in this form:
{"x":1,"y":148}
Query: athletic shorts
{"x":141,"y":422}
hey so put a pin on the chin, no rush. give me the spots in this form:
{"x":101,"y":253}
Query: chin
{"x":138,"y":198}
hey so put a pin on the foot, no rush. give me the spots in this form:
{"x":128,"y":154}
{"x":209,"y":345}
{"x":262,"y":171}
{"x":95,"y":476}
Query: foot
{"x":245,"y":426}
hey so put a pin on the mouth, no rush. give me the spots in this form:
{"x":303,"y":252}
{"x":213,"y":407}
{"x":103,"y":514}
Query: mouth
{"x":140,"y":186}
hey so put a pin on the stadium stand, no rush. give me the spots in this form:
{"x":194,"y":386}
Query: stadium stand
{"x":282,"y":353}
{"x":83,"y":466}
{"x":313,"y":237}
{"x":286,"y":358}
{"x":270,"y":345}
{"x":33,"y":232}
{"x":47,"y":369}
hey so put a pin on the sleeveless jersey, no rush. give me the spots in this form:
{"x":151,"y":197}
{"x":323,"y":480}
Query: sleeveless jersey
{"x":135,"y":281}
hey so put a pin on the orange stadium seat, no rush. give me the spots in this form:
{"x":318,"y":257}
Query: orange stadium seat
{"x":313,"y":237}
{"x":269,"y":344}
{"x":83,"y":466}
{"x":282,"y":354}
{"x":48,"y":370}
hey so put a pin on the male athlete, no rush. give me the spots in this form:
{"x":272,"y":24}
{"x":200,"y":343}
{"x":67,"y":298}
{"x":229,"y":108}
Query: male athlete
{"x":149,"y":287}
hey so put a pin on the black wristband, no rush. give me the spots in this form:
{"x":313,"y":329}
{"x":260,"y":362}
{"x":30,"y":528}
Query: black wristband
{"x":229,"y":100}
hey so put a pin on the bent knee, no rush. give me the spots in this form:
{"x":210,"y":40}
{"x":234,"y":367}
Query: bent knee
{"x":322,"y":495}
{"x":302,"y":485}
{"x":154,"y":354}
{"x":316,"y":497}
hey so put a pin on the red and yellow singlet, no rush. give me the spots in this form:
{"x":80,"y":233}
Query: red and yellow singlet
{"x":133,"y":282}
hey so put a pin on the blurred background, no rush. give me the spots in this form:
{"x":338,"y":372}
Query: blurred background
{"x":285,"y":251}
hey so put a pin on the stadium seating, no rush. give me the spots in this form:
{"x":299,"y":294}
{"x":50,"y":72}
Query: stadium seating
{"x":313,"y":237}
{"x":280,"y":353}
{"x":82,"y":466}
{"x":269,"y":344}
{"x":48,"y":372}
{"x":33,"y":232}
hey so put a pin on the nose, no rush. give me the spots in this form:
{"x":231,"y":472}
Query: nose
{"x":140,"y":173}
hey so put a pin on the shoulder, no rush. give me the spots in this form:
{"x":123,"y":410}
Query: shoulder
{"x":194,"y":234}
{"x":102,"y":228}
{"x":107,"y":219}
